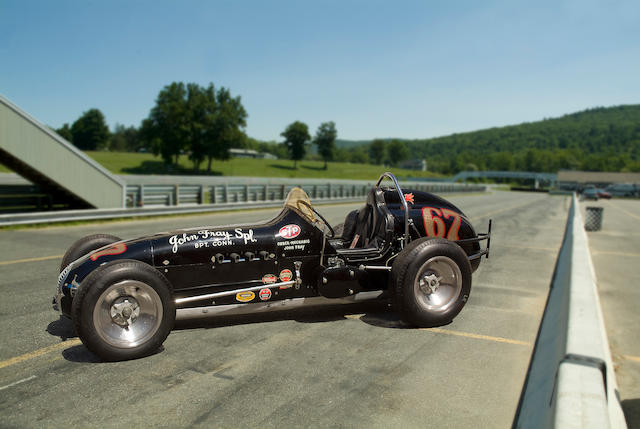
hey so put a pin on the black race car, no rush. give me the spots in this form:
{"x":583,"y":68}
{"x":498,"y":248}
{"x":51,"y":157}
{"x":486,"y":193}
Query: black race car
{"x":414,"y":247}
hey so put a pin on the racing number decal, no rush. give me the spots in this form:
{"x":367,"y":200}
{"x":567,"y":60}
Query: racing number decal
{"x":116,"y":249}
{"x":434,"y":225}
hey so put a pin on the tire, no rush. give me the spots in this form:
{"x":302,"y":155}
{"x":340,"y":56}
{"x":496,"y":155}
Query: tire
{"x":430,"y":260}
{"x":124,"y":296}
{"x":85,"y":245}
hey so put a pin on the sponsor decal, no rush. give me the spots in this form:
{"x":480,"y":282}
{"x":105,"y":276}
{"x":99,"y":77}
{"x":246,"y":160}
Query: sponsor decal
{"x":207,"y":238}
{"x":265,"y":294}
{"x":289,"y":231}
{"x":245,"y":296}
{"x":286,"y":275}
{"x":409,"y":198}
{"x":294,"y":244}
{"x":116,"y":249}
{"x":269,"y":278}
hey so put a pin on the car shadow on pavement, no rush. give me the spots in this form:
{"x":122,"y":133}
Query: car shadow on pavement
{"x":63,"y":328}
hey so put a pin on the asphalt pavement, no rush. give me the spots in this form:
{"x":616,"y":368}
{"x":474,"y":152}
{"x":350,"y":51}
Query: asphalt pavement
{"x":615,"y":251}
{"x":343,"y":366}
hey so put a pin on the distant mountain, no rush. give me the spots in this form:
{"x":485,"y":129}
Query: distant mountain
{"x":599,"y":139}
{"x":350,"y":144}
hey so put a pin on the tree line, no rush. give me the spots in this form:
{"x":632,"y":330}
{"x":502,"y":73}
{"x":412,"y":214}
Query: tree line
{"x":202,"y":122}
{"x":599,"y":139}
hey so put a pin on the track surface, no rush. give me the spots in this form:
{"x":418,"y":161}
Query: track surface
{"x":346,"y":366}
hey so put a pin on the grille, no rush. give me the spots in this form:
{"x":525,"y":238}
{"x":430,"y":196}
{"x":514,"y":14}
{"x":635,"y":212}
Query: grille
{"x":63,"y":277}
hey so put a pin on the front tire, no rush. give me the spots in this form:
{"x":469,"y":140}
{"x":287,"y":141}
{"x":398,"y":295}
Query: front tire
{"x":124,"y":310}
{"x":432,"y":282}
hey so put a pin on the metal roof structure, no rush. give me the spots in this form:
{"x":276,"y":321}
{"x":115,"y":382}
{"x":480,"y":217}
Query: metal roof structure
{"x":34,"y":151}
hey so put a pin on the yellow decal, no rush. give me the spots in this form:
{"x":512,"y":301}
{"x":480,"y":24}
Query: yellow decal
{"x":245,"y":296}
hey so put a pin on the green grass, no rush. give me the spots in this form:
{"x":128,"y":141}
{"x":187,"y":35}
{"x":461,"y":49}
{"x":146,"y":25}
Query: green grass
{"x":145,"y":163}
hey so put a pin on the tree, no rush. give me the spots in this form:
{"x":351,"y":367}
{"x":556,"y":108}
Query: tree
{"x":201,"y":110}
{"x":359,"y":156}
{"x":166,"y":125}
{"x":397,"y":152}
{"x":295,"y":137}
{"x":226,"y":128}
{"x":326,"y":141}
{"x":90,"y":131}
{"x":377,"y":151}
{"x":65,"y":132}
{"x":124,"y":139}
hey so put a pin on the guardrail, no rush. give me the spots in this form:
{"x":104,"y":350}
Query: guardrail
{"x":571,"y":380}
{"x":140,"y":195}
{"x":159,"y":200}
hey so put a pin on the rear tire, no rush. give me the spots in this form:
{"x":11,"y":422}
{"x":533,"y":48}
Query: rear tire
{"x":432,"y":281}
{"x":86,"y":245}
{"x":124,"y":310}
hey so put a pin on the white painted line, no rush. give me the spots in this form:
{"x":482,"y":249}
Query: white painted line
{"x":24,"y":380}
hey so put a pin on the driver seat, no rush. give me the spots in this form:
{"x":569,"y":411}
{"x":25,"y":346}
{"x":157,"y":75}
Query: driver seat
{"x":375,"y":222}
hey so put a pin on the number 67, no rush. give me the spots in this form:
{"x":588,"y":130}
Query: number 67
{"x":434,"y":225}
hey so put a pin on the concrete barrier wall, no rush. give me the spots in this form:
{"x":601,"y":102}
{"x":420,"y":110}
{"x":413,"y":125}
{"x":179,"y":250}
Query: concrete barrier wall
{"x":571,"y":380}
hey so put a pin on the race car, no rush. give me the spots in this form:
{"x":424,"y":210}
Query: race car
{"x":412,"y":247}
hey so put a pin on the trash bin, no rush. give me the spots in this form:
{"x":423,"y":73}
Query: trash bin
{"x":593,"y":219}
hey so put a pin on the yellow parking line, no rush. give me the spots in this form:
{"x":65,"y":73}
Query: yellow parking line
{"x":624,"y":211}
{"x":477,"y":336}
{"x":41,"y":258}
{"x":598,"y":252}
{"x":633,"y":358}
{"x":39,"y":352}
{"x":460,"y":334}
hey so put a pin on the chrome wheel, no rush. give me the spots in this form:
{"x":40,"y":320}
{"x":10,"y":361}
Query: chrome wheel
{"x":438,"y":284}
{"x":127,"y":314}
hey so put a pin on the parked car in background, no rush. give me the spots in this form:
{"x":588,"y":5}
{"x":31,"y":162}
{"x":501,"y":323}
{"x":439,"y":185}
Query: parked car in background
{"x":624,"y":190}
{"x":603,"y":194}
{"x":590,"y":194}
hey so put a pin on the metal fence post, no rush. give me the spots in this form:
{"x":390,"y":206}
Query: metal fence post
{"x":141,"y":196}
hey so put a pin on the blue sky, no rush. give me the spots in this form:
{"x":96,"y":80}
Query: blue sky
{"x":410,"y":69}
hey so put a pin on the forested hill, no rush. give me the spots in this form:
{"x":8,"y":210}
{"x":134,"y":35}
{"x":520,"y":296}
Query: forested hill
{"x":599,"y":139}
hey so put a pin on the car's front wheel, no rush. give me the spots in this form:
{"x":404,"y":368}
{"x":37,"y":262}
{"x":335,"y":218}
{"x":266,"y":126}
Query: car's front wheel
{"x":432,"y":281}
{"x":124,"y":310}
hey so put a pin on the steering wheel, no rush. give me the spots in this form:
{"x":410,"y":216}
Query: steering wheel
{"x":333,"y":233}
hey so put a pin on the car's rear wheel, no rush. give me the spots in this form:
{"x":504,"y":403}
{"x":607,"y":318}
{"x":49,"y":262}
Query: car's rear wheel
{"x":124,"y":310}
{"x":432,"y":282}
{"x":85,"y":245}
